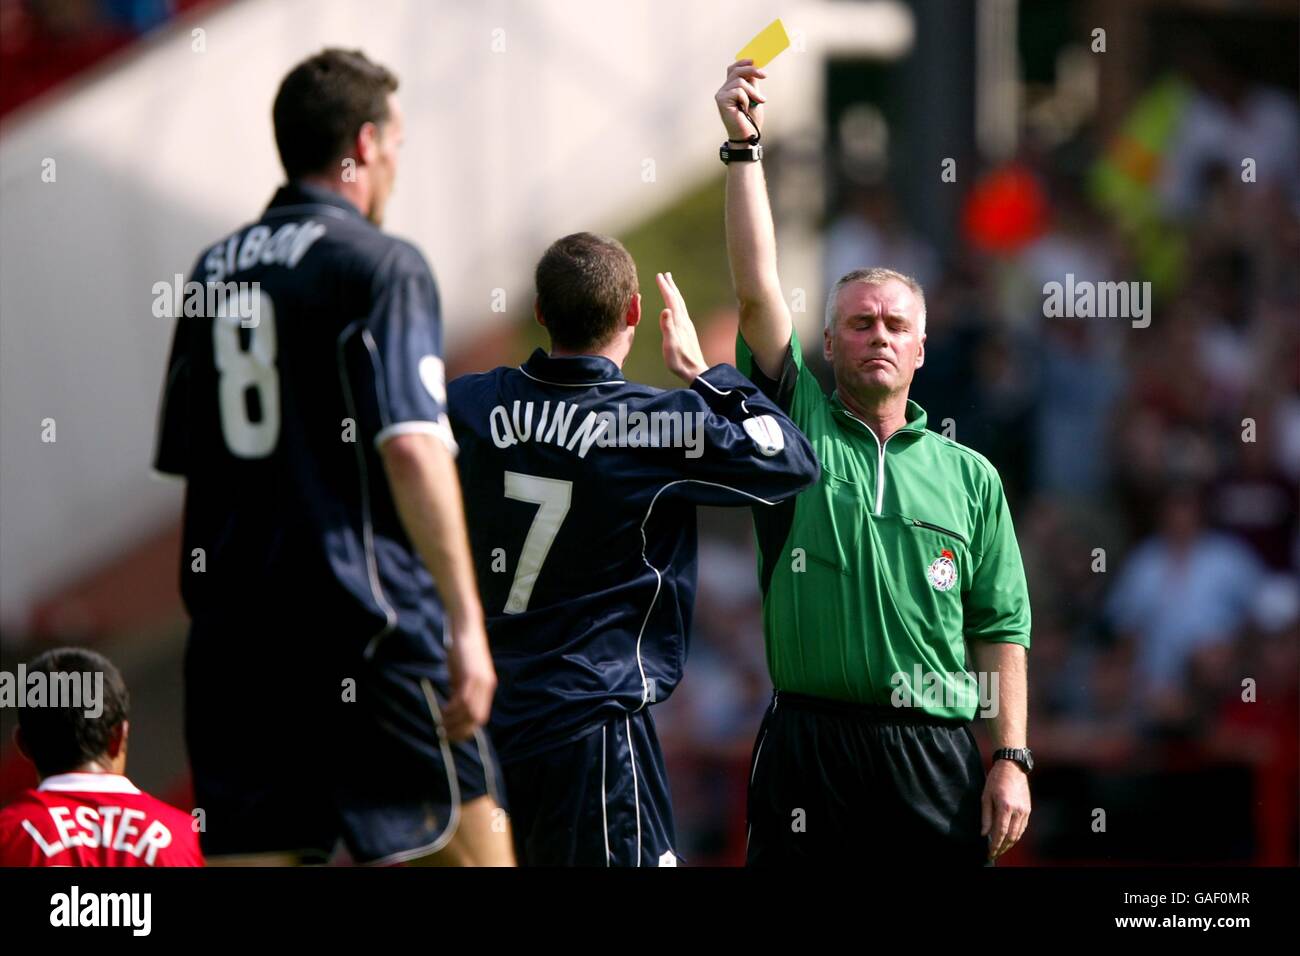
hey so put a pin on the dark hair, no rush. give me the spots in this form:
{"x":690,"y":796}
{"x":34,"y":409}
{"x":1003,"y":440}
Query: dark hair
{"x":585,"y":283}
{"x":59,"y":739}
{"x":322,"y":103}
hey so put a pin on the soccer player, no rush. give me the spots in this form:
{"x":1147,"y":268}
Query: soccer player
{"x":581,"y":489}
{"x":85,"y":812}
{"x":866,"y":753}
{"x":332,"y":694}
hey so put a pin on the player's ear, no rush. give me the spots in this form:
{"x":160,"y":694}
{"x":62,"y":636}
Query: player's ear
{"x":367,"y":144}
{"x":827,"y":351}
{"x":920,"y":352}
{"x":633,"y":317}
{"x":117,"y":738}
{"x":537,"y":313}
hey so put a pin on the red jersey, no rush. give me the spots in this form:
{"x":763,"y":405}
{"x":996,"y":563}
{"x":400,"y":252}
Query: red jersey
{"x":94,"y":819}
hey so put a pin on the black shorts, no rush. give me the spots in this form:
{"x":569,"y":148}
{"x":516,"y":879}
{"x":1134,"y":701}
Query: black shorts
{"x":292,"y":759}
{"x":601,"y":800}
{"x":833,"y":782}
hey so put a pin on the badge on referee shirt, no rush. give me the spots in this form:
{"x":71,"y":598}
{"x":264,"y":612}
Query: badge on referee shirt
{"x":942,"y":572}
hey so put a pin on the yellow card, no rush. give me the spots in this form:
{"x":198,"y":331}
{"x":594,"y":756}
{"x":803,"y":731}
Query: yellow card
{"x":764,"y":47}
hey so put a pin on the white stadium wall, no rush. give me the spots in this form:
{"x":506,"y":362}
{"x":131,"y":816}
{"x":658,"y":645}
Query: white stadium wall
{"x":520,"y":128}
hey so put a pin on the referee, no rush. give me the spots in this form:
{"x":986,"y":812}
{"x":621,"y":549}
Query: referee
{"x":875,"y":580}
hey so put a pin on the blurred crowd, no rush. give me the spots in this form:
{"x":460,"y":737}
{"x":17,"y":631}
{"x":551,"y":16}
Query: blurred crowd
{"x":44,"y":42}
{"x":1152,"y":471}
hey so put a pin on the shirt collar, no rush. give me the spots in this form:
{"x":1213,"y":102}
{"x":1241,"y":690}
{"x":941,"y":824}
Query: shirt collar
{"x":303,"y":194}
{"x":88,"y":783}
{"x":571,"y":370}
{"x":915,"y":415}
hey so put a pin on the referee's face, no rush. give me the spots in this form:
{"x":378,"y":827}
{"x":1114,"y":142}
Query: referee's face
{"x":875,"y":345}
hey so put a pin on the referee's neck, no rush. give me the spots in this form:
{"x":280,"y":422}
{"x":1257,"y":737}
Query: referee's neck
{"x":883,"y":416}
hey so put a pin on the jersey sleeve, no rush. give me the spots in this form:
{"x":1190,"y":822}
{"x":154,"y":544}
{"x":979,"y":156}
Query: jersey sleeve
{"x":746,"y":450}
{"x":403,"y":339}
{"x":171,"y":443}
{"x":996,"y":607}
{"x":796,"y":392}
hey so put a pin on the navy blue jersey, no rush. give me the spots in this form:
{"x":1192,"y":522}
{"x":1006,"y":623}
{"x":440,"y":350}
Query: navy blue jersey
{"x":274,"y":415}
{"x":580,"y":490}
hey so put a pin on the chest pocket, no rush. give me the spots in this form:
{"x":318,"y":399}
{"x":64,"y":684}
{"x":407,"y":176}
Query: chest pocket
{"x":929,"y":567}
{"x":828,"y":524}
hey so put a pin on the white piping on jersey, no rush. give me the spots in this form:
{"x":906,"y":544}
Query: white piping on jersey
{"x":367,"y":530}
{"x":880,"y":460}
{"x":636,"y":792}
{"x":489,"y":774}
{"x":453,"y":788}
{"x":610,"y":381}
{"x":378,"y":364}
{"x":88,"y":783}
{"x":604,"y":812}
{"x":701,"y":378}
{"x":659,"y":578}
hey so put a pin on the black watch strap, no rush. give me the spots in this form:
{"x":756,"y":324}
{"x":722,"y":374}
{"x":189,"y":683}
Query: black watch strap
{"x":729,"y":152}
{"x":1021,"y":757}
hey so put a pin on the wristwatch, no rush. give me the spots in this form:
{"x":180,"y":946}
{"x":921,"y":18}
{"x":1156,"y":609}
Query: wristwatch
{"x":730,"y":152}
{"x":1022,"y":757}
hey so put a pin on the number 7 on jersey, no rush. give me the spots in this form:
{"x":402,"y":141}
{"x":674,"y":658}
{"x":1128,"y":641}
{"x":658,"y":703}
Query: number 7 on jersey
{"x":553,"y":497}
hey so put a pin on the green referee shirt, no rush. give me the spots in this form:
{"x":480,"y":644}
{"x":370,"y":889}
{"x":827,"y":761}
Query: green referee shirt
{"x":874,"y":578}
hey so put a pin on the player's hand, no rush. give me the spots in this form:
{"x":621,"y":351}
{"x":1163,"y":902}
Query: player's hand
{"x":1005,"y":807}
{"x":682,"y":352}
{"x":741,"y":92}
{"x":473,"y":682}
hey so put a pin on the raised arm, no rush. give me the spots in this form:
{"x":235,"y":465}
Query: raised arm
{"x":751,"y":237}
{"x":746,"y":450}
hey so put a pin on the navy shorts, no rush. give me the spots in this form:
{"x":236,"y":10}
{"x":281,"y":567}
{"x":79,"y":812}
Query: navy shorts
{"x":282,"y":761}
{"x":834,"y":782}
{"x":601,"y":800}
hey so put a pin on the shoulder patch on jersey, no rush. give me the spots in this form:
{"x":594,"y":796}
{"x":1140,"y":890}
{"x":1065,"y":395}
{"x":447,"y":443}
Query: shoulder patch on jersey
{"x":766,"y":434}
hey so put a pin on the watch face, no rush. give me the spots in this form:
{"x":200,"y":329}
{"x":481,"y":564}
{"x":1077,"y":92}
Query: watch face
{"x":1029,"y":758}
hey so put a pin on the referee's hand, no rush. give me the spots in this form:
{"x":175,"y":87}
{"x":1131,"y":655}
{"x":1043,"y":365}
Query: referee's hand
{"x":738,"y":96}
{"x":1005,"y":807}
{"x":473,"y":682}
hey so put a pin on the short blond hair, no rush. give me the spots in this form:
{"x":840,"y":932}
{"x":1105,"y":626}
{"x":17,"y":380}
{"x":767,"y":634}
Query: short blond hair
{"x":874,"y":276}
